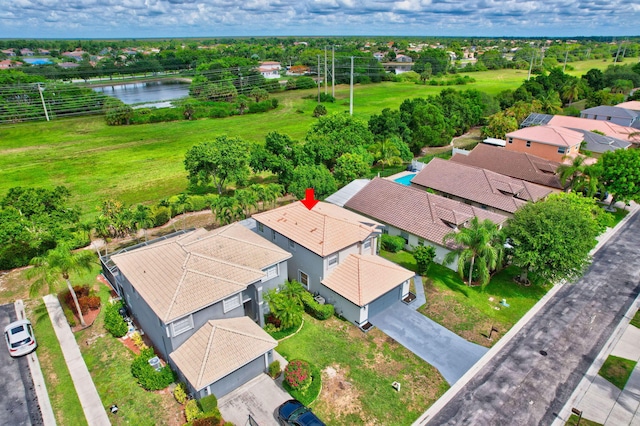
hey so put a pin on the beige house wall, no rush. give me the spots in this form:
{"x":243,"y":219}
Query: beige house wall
{"x":549,"y":152}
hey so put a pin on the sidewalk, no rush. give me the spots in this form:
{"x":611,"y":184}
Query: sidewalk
{"x":87,"y":393}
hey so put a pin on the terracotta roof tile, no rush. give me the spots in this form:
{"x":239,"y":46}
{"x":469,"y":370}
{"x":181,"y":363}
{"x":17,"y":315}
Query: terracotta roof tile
{"x":324,"y":230}
{"x":414,"y":210}
{"x":519,"y":165}
{"x":479,"y":185}
{"x":610,"y":129}
{"x":189,"y":272}
{"x":550,"y":135}
{"x":361,"y":279}
{"x":220,"y":347}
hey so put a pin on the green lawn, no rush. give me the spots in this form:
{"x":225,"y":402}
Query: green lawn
{"x":617,"y":370}
{"x":573,"y":421}
{"x":365,"y":366}
{"x":635,"y":321}
{"x":62,"y":393}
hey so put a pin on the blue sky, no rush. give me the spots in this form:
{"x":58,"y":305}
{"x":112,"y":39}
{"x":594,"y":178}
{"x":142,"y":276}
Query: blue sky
{"x":215,"y":18}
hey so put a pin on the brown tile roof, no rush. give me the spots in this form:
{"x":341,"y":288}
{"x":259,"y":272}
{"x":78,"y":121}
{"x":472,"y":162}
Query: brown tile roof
{"x":221,"y":347}
{"x":186,"y":273}
{"x":415,"y":210}
{"x":480,"y":185}
{"x":550,"y":135}
{"x":361,"y":279}
{"x":324,"y":230}
{"x":519,"y":165}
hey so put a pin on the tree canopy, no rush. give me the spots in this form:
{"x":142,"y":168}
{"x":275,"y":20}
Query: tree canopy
{"x":621,"y":174}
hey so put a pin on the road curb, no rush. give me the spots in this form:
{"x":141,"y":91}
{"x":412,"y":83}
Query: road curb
{"x":453,"y":391}
{"x":39,"y":385}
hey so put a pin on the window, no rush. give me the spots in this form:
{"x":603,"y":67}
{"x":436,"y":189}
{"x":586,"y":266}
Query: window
{"x":182,"y":325}
{"x":405,"y":237}
{"x":273,"y":235}
{"x":562,"y":150}
{"x":231,"y":303}
{"x":260,"y":227}
{"x":510,"y":140}
{"x":332,"y":260}
{"x":271,"y":272}
{"x":528,"y":144}
{"x":304,"y":279}
{"x":367,"y":243}
{"x":385,"y":231}
{"x":292,"y":245}
{"x":608,"y":118}
{"x":420,"y":241}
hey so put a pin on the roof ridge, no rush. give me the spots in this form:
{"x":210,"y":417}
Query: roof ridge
{"x":175,"y":293}
{"x":225,"y":262}
{"x":204,"y":274}
{"x":242,"y":333}
{"x":207,"y":353}
{"x":275,"y":249}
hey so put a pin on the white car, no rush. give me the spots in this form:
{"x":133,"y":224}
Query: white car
{"x":19,"y":337}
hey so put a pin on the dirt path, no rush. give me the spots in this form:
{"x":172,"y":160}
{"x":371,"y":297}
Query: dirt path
{"x":473,"y":136}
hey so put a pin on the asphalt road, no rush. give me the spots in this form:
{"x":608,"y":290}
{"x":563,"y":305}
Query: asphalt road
{"x":521,"y":385}
{"x":18,"y":401}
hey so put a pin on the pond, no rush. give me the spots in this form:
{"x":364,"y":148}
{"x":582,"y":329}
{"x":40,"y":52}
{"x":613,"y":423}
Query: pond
{"x":152,"y":93}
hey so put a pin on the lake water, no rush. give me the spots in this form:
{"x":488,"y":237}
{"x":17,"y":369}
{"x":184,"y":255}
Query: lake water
{"x":155,"y":93}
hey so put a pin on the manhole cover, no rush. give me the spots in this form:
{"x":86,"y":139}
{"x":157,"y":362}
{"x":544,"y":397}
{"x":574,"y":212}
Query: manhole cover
{"x":543,"y":353}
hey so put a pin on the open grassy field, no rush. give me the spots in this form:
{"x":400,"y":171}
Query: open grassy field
{"x":144,"y":163}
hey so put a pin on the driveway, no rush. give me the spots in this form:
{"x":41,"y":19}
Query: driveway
{"x":19,"y":404}
{"x":260,"y":397}
{"x":445,"y":350}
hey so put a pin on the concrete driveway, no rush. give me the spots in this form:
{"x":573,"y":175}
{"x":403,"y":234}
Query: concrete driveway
{"x":260,"y":397}
{"x":18,"y":404}
{"x":445,"y":350}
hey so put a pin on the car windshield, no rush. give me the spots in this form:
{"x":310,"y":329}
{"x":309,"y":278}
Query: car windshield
{"x":21,"y":342}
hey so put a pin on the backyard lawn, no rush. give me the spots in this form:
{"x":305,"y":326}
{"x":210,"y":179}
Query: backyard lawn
{"x":358,"y":372}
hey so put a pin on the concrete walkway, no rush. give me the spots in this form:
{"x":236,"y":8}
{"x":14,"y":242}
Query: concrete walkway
{"x":449,"y":353}
{"x":87,"y":393}
{"x":421,"y":299}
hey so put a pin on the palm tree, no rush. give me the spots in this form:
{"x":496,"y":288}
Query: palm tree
{"x":572,"y":90}
{"x":142,"y":218}
{"x":259,"y":191}
{"x":247,"y":199}
{"x":569,"y":172}
{"x":477,"y":244}
{"x":57,"y":263}
{"x":287,"y":309}
{"x":273,"y":191}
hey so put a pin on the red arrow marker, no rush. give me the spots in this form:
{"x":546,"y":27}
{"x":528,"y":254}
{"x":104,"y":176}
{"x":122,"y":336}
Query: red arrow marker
{"x":309,"y":199}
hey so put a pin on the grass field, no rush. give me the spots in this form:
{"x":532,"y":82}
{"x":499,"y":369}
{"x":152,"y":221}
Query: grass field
{"x":144,"y":163}
{"x":617,"y":370}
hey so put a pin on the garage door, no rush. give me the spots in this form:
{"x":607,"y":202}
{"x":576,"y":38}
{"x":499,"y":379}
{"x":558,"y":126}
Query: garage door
{"x":238,"y":377}
{"x":384,"y":301}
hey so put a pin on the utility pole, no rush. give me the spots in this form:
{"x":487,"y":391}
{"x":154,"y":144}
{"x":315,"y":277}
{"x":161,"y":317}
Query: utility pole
{"x":44,"y":106}
{"x":326,"y":88}
{"x":318,"y":77}
{"x":617,"y":53}
{"x":333,"y":71}
{"x":351,"y":90}
{"x":566,"y":54}
{"x":530,"y":65}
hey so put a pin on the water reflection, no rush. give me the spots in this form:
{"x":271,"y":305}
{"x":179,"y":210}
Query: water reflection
{"x":147,"y":92}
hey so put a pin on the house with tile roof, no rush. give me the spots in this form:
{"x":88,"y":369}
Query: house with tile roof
{"x":519,"y":165}
{"x":632,"y":105}
{"x":478,"y":187}
{"x":334,"y":255}
{"x":550,"y":142}
{"x":186,"y":286}
{"x":614,"y":114}
{"x":421,"y":218}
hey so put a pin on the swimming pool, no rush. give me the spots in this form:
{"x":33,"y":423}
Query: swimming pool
{"x":406,"y":179}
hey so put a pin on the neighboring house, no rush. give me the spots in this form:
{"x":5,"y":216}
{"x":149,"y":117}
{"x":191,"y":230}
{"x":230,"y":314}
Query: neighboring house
{"x":614,"y":114}
{"x":7,"y":64}
{"x":26,"y":52}
{"x":519,"y":165}
{"x":76,"y":54}
{"x":628,"y":134}
{"x":379,"y":56}
{"x":598,"y":144}
{"x":175,"y":286}
{"x":68,"y":65}
{"x":478,"y":187}
{"x":416,"y":215}
{"x":270,"y":69}
{"x":44,"y":52}
{"x":344,"y":194}
{"x":549,"y":142}
{"x":632,"y":105}
{"x":334,"y":255}
{"x":9,"y":52}
{"x":403,"y":58}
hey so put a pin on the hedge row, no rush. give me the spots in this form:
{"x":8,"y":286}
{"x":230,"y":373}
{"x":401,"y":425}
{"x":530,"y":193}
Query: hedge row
{"x":113,"y":322}
{"x":392,"y":243}
{"x":316,"y":310}
{"x":147,"y":376}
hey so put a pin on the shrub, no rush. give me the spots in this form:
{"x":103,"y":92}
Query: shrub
{"x":392,"y":243}
{"x":147,"y":376}
{"x":113,"y":322}
{"x":319,"y":110}
{"x":262,"y":106}
{"x":137,"y":340}
{"x":192,"y":410}
{"x":208,"y":404}
{"x":424,"y":256}
{"x":180,"y":393}
{"x":161,"y":215}
{"x":71,"y":319}
{"x":325,"y":97}
{"x":316,"y":310}
{"x":305,"y":83}
{"x":275,"y":369}
{"x":211,"y":419}
{"x":197,"y":203}
{"x":297,"y":374}
{"x":270,"y":328}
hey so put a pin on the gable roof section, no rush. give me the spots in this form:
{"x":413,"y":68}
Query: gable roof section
{"x":608,"y":128}
{"x":600,"y":143}
{"x":611,"y":111}
{"x":324,"y":230}
{"x":361,"y":279}
{"x":519,"y":165}
{"x":344,"y":194}
{"x":480,"y":185}
{"x":415,"y":210}
{"x":219,"y":348}
{"x":632,"y":105}
{"x":189,"y":272}
{"x":549,"y":135}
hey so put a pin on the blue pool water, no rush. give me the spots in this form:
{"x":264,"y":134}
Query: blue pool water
{"x":37,"y":61}
{"x":406,"y":179}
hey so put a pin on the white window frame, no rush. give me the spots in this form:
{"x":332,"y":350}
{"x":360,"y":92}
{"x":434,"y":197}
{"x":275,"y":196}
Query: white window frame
{"x":181,"y":325}
{"x":332,"y":260}
{"x":366,"y":244}
{"x":300,"y":274}
{"x":271,"y":272}
{"x":231,"y":303}
{"x":528,"y":144}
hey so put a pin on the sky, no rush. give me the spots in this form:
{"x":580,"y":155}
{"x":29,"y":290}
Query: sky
{"x":96,"y":19}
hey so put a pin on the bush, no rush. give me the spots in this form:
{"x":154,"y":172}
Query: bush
{"x":180,"y":393}
{"x":319,"y":111}
{"x":305,"y":83}
{"x":209,"y":419}
{"x":113,"y":322}
{"x":297,"y":374}
{"x":424,"y":256}
{"x":391,"y":243}
{"x":208,"y":403}
{"x":137,"y":340}
{"x":161,"y":215}
{"x":311,"y":393}
{"x":262,"y":106}
{"x":275,"y":369}
{"x":325,"y":97}
{"x":71,"y":319}
{"x":147,"y":376}
{"x":316,"y":310}
{"x":197,"y":203}
{"x":192,"y":410}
